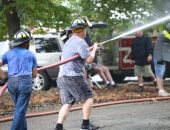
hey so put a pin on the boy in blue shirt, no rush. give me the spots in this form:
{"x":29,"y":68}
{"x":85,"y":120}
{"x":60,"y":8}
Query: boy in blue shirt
{"x":22,"y":67}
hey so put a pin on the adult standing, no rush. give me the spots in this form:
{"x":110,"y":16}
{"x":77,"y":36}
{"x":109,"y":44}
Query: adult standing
{"x":161,"y":54}
{"x":22,"y":66}
{"x":142,"y":51}
{"x":71,"y":81}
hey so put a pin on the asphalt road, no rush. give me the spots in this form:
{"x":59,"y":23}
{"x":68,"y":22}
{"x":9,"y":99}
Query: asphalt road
{"x":130,"y":116}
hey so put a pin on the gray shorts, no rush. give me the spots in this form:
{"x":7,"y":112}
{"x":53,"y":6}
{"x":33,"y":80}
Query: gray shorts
{"x":143,"y":70}
{"x":73,"y":88}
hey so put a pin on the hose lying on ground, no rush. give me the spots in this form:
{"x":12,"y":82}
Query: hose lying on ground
{"x":95,"y":105}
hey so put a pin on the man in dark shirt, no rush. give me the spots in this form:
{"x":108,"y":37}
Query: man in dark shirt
{"x":142,"y":51}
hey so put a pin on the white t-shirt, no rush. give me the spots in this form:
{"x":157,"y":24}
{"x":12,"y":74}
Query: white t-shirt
{"x":74,"y":46}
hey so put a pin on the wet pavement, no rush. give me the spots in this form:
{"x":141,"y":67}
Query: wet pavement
{"x":153,"y":115}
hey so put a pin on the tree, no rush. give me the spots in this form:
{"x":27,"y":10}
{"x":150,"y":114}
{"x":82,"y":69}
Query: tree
{"x":119,"y":14}
{"x":122,"y":14}
{"x":17,"y":14}
{"x":159,"y":9}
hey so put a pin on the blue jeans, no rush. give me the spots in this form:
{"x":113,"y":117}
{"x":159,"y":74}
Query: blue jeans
{"x":20,"y":89}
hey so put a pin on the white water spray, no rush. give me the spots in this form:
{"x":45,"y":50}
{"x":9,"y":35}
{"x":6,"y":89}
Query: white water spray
{"x":143,"y":27}
{"x":139,"y":28}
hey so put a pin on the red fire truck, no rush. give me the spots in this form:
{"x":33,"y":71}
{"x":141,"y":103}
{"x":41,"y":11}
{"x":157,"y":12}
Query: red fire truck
{"x":117,"y":58}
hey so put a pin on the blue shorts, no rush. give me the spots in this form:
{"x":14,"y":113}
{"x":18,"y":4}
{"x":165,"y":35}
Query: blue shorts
{"x":159,"y":68}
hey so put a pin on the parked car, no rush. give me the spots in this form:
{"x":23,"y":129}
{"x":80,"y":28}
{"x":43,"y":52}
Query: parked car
{"x":47,"y":49}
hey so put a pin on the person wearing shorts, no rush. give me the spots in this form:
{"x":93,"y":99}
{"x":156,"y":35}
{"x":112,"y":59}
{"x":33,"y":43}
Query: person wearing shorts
{"x":71,"y":82}
{"x":159,"y":72}
{"x":159,"y":67}
{"x":142,"y":51}
{"x":162,"y":54}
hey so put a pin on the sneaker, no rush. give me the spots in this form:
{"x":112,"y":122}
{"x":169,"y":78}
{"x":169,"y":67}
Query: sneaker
{"x":109,"y":85}
{"x":90,"y":127}
{"x":115,"y":86}
{"x":155,"y":84}
{"x":140,"y":89}
{"x":112,"y":86}
{"x":163,"y":94}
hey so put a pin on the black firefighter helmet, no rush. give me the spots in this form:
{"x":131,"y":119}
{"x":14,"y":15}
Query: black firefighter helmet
{"x":78,"y":23}
{"x":20,"y":37}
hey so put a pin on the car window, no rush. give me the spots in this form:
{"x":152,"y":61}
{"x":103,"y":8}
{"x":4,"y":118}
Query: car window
{"x":47,"y":45}
{"x":2,"y":45}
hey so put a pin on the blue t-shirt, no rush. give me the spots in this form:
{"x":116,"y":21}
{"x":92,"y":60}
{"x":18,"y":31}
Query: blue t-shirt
{"x":74,"y":46}
{"x":20,"y":61}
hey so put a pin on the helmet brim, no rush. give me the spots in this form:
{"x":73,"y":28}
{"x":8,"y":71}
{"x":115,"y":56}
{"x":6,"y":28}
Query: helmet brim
{"x":72,"y":28}
{"x":98,"y":24}
{"x":68,"y":28}
{"x":12,"y":43}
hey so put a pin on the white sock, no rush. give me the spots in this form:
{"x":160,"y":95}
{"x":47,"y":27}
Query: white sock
{"x":161,"y":91}
{"x":107,"y":82}
{"x":140,"y":84}
{"x":112,"y":83}
{"x":154,"y":80}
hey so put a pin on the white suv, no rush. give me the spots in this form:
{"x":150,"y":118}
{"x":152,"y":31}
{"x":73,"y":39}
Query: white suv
{"x":47,"y":49}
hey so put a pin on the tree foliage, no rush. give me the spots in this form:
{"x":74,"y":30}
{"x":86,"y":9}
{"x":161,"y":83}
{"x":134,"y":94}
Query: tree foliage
{"x":160,"y":8}
{"x":122,"y":14}
{"x":119,"y":14}
{"x":32,"y":14}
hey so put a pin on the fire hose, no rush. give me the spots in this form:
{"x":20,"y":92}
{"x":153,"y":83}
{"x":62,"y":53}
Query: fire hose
{"x":94,"y":106}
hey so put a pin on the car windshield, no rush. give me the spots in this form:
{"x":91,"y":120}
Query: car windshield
{"x":47,"y":45}
{"x":2,"y":45}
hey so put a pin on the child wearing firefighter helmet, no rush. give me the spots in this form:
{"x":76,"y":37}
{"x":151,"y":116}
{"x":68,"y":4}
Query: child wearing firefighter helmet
{"x":22,"y":67}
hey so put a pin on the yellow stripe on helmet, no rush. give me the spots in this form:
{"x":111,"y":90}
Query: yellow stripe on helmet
{"x":24,"y":35}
